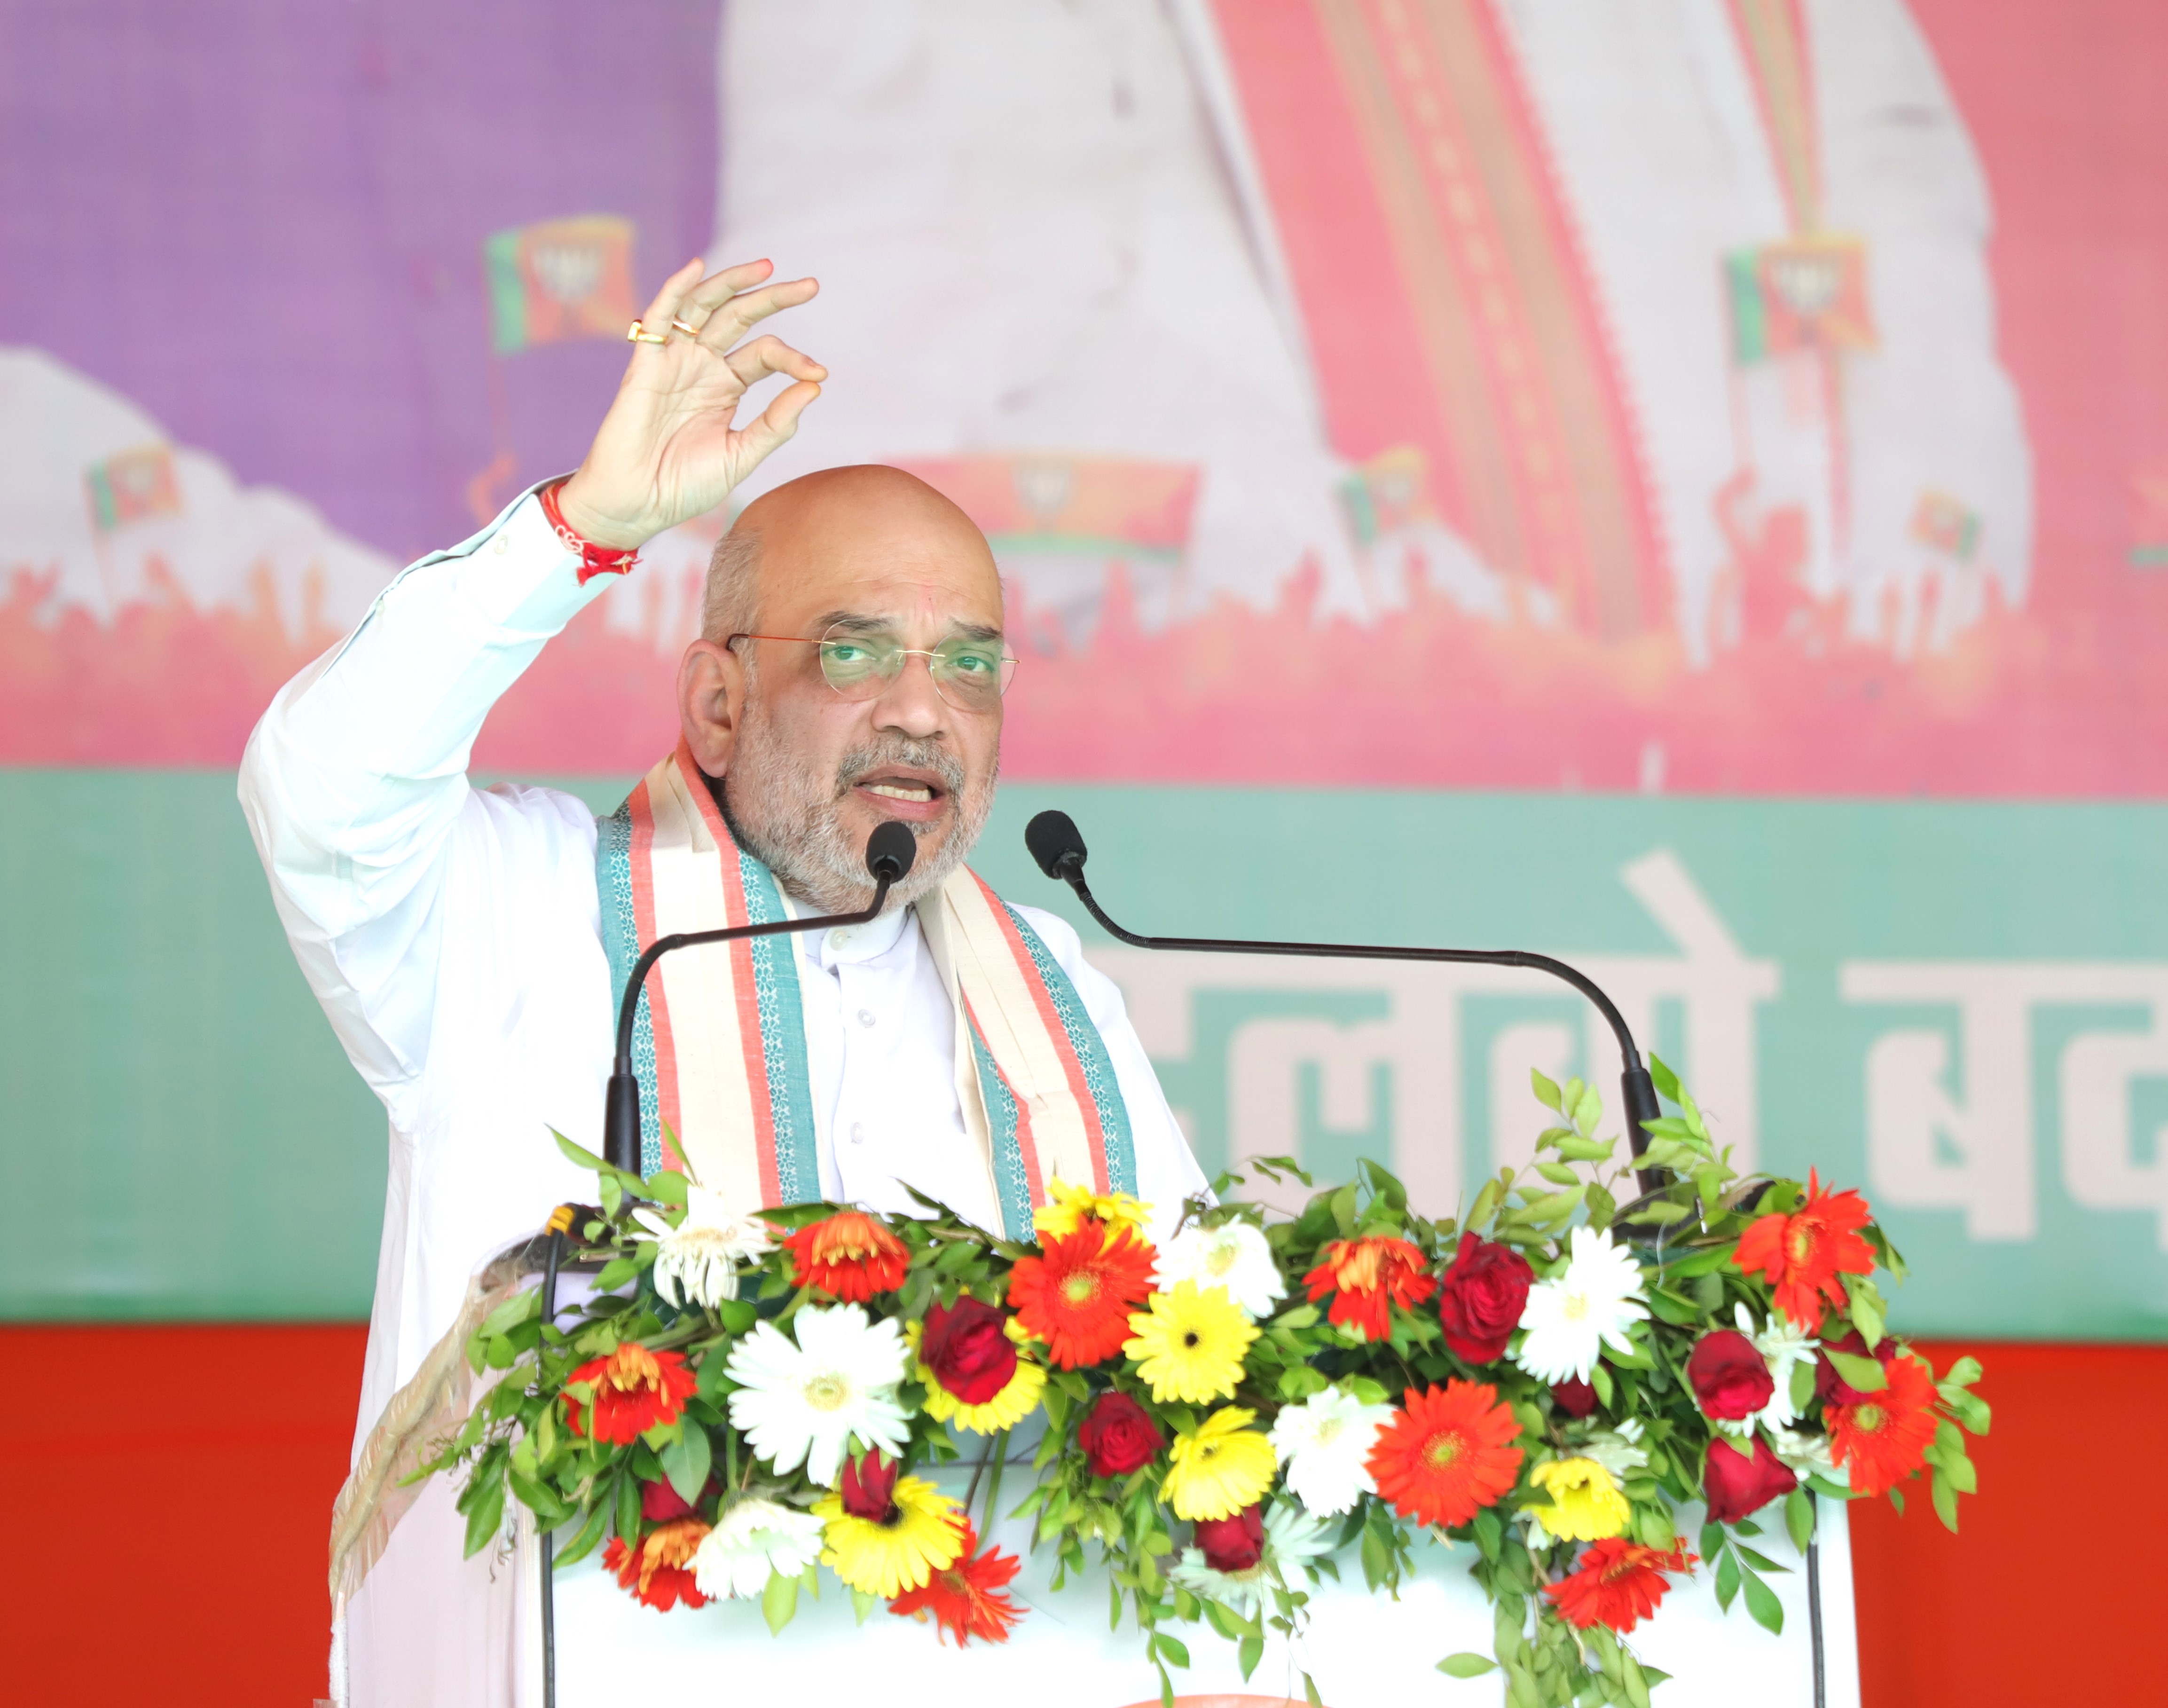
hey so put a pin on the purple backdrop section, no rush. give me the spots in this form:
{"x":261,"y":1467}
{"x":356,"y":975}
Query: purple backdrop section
{"x":261,"y":219}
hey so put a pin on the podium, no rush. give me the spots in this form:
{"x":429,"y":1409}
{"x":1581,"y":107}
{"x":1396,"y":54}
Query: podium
{"x":1363,"y":1649}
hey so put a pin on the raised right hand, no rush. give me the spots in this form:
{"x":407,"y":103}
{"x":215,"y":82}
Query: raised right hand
{"x":668,"y":450}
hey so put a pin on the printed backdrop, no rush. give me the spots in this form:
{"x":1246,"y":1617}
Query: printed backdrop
{"x":1682,"y":485}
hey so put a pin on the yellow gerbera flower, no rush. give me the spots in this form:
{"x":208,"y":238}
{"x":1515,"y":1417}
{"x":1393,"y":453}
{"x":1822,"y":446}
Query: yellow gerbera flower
{"x":1073,"y":1205}
{"x":1586,"y":1503}
{"x":1189,"y":1343}
{"x":923,"y":1534}
{"x":1221,"y":1468}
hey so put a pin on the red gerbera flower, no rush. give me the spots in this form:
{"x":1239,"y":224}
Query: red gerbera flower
{"x":634,"y":1391}
{"x":965,"y":1598}
{"x":1805,"y":1253}
{"x":1447,"y":1453}
{"x":848,"y":1255}
{"x":1883,"y":1438}
{"x":1618,"y":1584}
{"x":656,"y":1573}
{"x":1077,"y":1294}
{"x":1367,"y":1277}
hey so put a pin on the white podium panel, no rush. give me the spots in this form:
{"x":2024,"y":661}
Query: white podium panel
{"x":1364,"y":1650}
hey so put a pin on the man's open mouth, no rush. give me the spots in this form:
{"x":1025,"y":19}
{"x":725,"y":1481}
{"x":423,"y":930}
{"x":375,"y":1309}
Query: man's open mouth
{"x":905,"y":792}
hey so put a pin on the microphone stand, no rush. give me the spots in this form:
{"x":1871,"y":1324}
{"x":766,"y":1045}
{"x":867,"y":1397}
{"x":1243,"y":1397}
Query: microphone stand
{"x":889,"y":852}
{"x":1059,"y":848}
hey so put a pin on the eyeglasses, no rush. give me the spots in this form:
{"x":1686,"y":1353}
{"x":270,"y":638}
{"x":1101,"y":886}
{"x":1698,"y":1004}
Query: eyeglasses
{"x":971,"y":675}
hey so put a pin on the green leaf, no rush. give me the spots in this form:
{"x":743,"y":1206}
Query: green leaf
{"x":863,"y":1603}
{"x":1587,"y":1111}
{"x":779,"y":1602}
{"x":1558,"y":1173}
{"x":486,"y":1510}
{"x":685,"y":1462}
{"x":1546,"y":1091}
{"x":1964,"y":1373}
{"x":1802,"y":1384}
{"x":578,"y":1157}
{"x":1727,"y":1581}
{"x":1171,"y":1648}
{"x":1248,"y":1653}
{"x":1310,"y":1690}
{"x":1799,"y":1517}
{"x":1467,"y":1664}
{"x":1945,"y":1497}
{"x":1577,"y":1149}
{"x":1762,"y":1602}
{"x":1869,"y":1313}
{"x":1865,"y":1374}
{"x":666,"y":1187}
{"x":1760,"y":1562}
{"x":1486,"y":1203}
{"x":1666,"y":1081}
{"x":1343,"y":1211}
{"x":1662,"y":1211}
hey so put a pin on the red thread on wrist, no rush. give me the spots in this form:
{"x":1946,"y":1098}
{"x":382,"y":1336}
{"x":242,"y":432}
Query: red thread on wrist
{"x":594,"y":560}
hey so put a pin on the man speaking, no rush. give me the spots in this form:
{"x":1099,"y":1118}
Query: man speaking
{"x":469,"y":945}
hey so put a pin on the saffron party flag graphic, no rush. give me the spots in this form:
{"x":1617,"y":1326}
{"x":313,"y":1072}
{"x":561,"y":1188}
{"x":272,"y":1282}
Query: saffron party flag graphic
{"x":559,"y":280}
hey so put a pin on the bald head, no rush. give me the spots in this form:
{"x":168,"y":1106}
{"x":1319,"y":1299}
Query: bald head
{"x":841,"y":528}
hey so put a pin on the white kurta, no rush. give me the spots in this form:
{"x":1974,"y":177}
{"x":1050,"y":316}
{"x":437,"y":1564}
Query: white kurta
{"x":452,"y":935}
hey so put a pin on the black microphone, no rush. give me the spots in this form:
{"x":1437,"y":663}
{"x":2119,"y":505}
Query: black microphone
{"x":1058,"y":846}
{"x":889,"y":851}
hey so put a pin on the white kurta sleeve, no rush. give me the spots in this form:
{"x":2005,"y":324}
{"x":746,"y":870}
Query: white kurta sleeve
{"x":355,"y":781}
{"x":1166,"y":1172}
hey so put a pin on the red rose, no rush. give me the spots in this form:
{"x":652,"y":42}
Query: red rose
{"x":1736,"y":1485}
{"x":1118,"y":1436}
{"x":1234,"y":1544}
{"x":1832,"y":1389}
{"x":1730,"y":1377}
{"x":1573,"y":1396}
{"x":868,"y":1485}
{"x":659,"y":1502}
{"x":964,"y":1345}
{"x":1480,"y":1300}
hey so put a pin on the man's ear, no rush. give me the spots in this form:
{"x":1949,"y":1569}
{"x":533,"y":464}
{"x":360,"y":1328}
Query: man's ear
{"x":711,"y":688}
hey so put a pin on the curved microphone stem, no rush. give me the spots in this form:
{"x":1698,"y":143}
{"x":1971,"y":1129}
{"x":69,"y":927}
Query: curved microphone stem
{"x":1637,"y":1088}
{"x":621,"y":1101}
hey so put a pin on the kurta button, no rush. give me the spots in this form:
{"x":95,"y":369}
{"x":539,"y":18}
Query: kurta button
{"x":857,"y":1132}
{"x":865,"y":1017}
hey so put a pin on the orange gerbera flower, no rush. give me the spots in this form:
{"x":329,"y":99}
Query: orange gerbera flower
{"x":1447,"y":1453}
{"x":848,"y":1255}
{"x":633,"y":1391}
{"x":1618,"y":1585}
{"x":1077,"y":1294}
{"x":1366,"y":1277}
{"x":1884,"y":1437}
{"x":965,"y":1599}
{"x":657,"y":1573}
{"x":1805,"y":1253}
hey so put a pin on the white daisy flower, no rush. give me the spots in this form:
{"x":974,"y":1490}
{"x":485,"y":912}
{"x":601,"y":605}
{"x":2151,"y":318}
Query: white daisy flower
{"x":1292,"y":1539}
{"x":1783,"y":1348}
{"x":1235,"y":1255}
{"x":752,"y":1541}
{"x":1805,"y":1455}
{"x":697,"y":1264}
{"x":1325,"y":1443}
{"x":1571,"y":1319}
{"x":804,"y":1402}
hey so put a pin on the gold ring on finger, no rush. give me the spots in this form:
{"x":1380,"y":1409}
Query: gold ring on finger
{"x":638,"y":334}
{"x":690,"y":331}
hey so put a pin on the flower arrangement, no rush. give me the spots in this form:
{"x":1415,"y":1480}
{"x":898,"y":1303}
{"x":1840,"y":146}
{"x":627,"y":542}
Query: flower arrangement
{"x":1549,"y":1377}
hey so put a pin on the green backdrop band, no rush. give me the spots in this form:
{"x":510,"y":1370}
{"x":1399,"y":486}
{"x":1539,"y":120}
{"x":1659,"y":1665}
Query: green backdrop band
{"x":1960,"y":1007}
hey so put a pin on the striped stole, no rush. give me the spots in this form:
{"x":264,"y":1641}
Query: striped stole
{"x":719,"y":1039}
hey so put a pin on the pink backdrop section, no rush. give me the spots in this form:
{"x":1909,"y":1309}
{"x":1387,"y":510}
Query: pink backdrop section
{"x":2054,"y":691}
